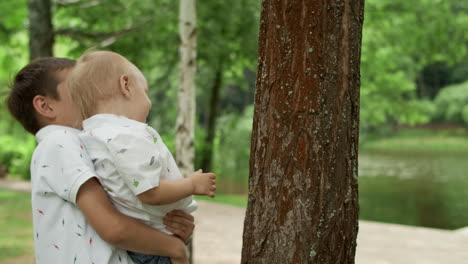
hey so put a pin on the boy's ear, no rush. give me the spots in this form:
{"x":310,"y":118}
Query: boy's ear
{"x":43,"y":106}
{"x":125,"y":86}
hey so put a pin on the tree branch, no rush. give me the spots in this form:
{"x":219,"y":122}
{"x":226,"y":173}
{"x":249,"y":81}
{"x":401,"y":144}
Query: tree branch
{"x":106,"y":38}
{"x":78,"y":3}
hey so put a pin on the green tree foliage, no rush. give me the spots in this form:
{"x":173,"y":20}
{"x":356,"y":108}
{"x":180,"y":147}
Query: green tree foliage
{"x":14,"y":151}
{"x":452,"y":104}
{"x":16,"y":157}
{"x":228,"y":38}
{"x":400,"y":38}
{"x":232,"y":148}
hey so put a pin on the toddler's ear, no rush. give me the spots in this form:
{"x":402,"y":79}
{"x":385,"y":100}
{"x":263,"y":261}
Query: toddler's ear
{"x":44,"y":107}
{"x":124,"y":86}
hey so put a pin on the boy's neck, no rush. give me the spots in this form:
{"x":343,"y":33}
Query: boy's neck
{"x":43,"y":122}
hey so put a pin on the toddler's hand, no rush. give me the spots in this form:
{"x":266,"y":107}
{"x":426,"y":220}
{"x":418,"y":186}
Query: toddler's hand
{"x":203,"y":183}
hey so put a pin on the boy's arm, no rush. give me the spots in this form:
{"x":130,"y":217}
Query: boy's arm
{"x":171,"y":191}
{"x":122,"y":231}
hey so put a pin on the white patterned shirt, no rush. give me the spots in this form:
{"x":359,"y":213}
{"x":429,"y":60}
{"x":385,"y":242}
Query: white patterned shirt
{"x":131,"y":158}
{"x":59,"y":167}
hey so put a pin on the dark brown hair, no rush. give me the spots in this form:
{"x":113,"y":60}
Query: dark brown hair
{"x":36,"y":78}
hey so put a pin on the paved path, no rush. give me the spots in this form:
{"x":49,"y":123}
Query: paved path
{"x":218,"y":239}
{"x":15,"y":185}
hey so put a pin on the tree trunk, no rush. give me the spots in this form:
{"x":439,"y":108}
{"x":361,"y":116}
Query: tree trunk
{"x":41,"y":33}
{"x":212,"y":115}
{"x":185,"y":124}
{"x":303,"y":189}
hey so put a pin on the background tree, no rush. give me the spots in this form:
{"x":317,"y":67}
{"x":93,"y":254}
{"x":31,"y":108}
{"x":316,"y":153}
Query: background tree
{"x":185,"y":124}
{"x":303,"y":204}
{"x":228,"y":49}
{"x":41,"y":32}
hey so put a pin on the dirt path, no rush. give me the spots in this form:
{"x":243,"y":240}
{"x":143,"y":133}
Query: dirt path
{"x":15,"y":185}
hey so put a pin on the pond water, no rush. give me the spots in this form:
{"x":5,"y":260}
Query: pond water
{"x":414,"y":188}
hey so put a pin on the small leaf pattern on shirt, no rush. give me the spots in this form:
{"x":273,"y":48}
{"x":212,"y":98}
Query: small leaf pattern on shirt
{"x":152,"y":161}
{"x":48,"y":166}
{"x":136,"y":183}
{"x":122,"y":151}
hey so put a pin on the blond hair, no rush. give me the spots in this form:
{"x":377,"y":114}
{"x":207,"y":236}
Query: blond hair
{"x":95,"y":78}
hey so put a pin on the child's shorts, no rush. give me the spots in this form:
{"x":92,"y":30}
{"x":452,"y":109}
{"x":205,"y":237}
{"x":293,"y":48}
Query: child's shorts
{"x":139,"y":258}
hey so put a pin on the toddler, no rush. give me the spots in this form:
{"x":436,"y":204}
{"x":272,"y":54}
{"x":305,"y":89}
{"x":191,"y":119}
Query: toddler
{"x":134,"y":166}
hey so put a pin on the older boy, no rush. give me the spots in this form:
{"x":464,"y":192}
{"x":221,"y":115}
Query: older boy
{"x":63,"y":181}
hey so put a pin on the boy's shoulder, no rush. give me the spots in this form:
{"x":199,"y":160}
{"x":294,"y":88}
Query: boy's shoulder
{"x":56,"y":144}
{"x":55,"y":133}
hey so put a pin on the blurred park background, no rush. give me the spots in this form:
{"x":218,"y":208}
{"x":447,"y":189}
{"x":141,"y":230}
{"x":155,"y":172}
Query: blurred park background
{"x":413,"y":160}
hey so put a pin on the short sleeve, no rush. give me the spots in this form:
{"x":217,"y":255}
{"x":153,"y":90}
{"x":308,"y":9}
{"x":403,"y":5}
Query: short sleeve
{"x":64,"y":165}
{"x":137,"y":159}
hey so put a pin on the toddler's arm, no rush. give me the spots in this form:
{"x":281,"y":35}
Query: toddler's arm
{"x":123,"y":231}
{"x":167,"y":192}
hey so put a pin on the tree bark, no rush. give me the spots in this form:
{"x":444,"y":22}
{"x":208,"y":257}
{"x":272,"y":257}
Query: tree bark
{"x":185,"y":124}
{"x":212,"y":116}
{"x":41,"y":32}
{"x":303,"y":189}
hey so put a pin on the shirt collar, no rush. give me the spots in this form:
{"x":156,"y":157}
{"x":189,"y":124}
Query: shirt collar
{"x":43,"y":132}
{"x":101,"y":120}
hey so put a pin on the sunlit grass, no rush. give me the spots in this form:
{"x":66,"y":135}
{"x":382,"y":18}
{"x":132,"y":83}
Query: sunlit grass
{"x":420,"y":140}
{"x":16,"y":237}
{"x":237,"y":200}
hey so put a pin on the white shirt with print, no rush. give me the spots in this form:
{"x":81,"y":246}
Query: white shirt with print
{"x":131,"y":158}
{"x":61,"y":233}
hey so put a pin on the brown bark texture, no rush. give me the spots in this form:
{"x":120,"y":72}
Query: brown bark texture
{"x":303,"y":189}
{"x":41,"y":32}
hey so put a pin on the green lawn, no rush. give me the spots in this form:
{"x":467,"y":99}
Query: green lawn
{"x":16,"y":237}
{"x":419,"y":140}
{"x":237,"y":200}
